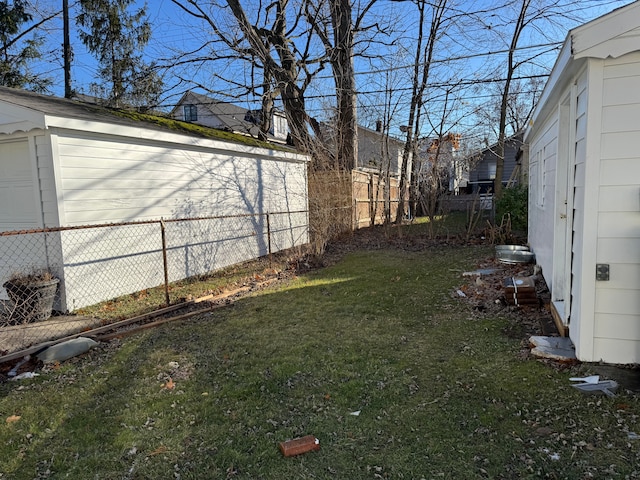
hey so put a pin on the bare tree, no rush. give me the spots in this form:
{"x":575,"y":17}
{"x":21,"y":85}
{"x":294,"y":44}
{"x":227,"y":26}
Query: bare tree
{"x":431,"y":19}
{"x":520,"y":24}
{"x":286,"y":66}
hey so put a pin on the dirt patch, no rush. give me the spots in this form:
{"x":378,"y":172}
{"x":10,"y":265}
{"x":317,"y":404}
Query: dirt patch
{"x":485,"y":292}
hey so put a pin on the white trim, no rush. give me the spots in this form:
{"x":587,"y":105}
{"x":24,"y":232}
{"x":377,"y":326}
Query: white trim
{"x":593,"y":39}
{"x":185,"y":140}
{"x":595,"y":81}
{"x":569,"y":187}
{"x":55,"y":160}
{"x":15,"y":127}
{"x":35,"y":175}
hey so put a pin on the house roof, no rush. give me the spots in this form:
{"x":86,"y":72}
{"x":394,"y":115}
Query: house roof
{"x":516,"y":137}
{"x":42,"y":111}
{"x":58,"y":107}
{"x":374,"y":133}
{"x":611,"y":35}
{"x":231,"y":116}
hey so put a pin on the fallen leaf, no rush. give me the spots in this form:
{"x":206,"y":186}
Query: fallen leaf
{"x":13,"y":419}
{"x":170,"y":385}
{"x":159,"y":451}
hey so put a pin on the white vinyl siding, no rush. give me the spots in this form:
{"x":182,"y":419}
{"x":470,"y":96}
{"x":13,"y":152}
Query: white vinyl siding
{"x":108,"y":179}
{"x":542,"y":156}
{"x":597,"y":72}
{"x":617,"y":305}
{"x":17,"y":187}
{"x":105,"y":179}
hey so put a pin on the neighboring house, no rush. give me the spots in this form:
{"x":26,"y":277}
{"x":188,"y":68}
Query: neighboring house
{"x":64,"y":163}
{"x":584,"y":195}
{"x":203,"y":110}
{"x":439,"y":163}
{"x":482,"y":166}
{"x":378,"y":152}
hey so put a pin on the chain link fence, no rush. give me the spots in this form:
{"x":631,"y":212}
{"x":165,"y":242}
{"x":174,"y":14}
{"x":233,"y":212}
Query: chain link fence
{"x":64,"y":269}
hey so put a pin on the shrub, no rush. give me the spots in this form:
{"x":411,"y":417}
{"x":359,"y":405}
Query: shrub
{"x":514,"y":202}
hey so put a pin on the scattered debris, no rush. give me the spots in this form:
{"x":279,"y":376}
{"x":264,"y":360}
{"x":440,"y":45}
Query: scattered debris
{"x":633,"y":436}
{"x":555,"y":348}
{"x":65,"y":350}
{"x":592,"y":379}
{"x":356,"y":413}
{"x":25,"y":375}
{"x":298,"y":446}
{"x":460,"y":293}
{"x":520,"y":291}
{"x":14,"y":371}
{"x":608,"y":387}
{"x":480,"y":272}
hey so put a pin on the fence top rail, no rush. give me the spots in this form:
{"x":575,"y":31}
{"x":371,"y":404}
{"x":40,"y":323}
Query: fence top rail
{"x":141,"y":222}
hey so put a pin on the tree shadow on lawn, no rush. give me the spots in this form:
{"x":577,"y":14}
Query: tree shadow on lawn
{"x":440,"y":389}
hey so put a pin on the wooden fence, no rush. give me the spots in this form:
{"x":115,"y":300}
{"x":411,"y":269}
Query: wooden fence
{"x":370,"y":198}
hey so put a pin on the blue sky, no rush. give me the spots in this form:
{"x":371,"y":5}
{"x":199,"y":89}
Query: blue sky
{"x":467,"y":58}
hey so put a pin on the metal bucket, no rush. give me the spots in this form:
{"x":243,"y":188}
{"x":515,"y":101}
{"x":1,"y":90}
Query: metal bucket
{"x":512,"y":247}
{"x":515,"y":256}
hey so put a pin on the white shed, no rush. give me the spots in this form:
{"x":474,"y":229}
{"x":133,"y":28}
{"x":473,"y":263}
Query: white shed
{"x":65,"y":163}
{"x":584,"y":196}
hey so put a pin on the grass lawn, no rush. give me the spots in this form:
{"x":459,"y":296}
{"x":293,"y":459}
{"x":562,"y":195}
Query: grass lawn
{"x":441,"y":391}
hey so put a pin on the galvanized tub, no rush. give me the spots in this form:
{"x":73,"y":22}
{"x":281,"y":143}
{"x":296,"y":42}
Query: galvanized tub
{"x":514,"y":254}
{"x":512,"y":247}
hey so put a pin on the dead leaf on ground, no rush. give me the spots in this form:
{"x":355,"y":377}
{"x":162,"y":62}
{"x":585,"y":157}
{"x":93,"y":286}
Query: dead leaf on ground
{"x":159,"y":451}
{"x":13,"y":419}
{"x":170,"y":385}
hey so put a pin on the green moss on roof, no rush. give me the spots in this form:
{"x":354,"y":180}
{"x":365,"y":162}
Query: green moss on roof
{"x":197,"y":130}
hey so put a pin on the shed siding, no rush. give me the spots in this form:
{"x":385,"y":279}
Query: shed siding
{"x":617,"y":301}
{"x":543,"y":160}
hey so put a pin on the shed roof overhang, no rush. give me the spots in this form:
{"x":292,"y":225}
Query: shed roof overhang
{"x":612,"y":35}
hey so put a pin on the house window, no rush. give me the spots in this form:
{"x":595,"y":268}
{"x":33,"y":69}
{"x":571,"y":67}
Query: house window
{"x":492,"y":166}
{"x":190,"y":113}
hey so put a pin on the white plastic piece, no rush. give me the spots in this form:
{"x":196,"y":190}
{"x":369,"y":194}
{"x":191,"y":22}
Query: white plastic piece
{"x":65,"y":350}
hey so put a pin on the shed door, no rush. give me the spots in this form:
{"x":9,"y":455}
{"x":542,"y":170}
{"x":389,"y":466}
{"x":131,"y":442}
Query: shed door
{"x":17,"y":197}
{"x":563,"y":227}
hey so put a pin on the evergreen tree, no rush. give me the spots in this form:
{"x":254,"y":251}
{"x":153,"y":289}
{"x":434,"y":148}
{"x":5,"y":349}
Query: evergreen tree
{"x":17,"y":52}
{"x":116,"y":37}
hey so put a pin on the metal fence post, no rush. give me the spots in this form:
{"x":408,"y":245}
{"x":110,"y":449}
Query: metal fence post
{"x":164,"y":263}
{"x":269,"y":239}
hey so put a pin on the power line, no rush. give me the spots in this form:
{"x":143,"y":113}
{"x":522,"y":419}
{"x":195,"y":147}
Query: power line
{"x":453,"y":59}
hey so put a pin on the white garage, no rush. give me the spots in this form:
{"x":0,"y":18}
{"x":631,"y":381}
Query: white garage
{"x":70,"y":164}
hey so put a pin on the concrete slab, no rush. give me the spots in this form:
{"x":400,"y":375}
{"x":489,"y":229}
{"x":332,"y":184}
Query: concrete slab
{"x":554,"y":348}
{"x":17,"y":337}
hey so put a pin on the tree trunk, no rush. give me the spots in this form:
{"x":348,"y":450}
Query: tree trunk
{"x":343,"y":72}
{"x":520,"y":24}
